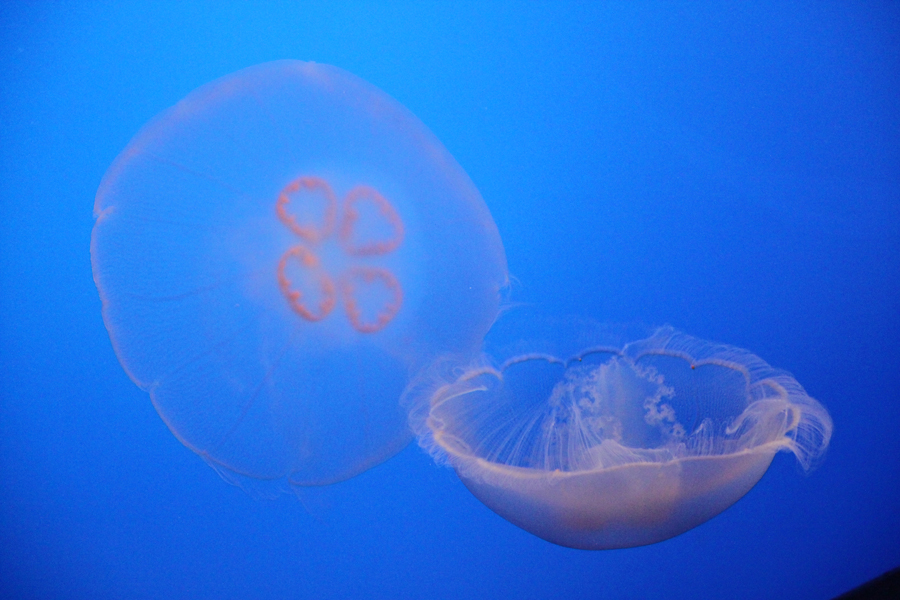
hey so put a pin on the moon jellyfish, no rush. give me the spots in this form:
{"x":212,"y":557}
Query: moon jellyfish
{"x":276,"y":255}
{"x":602,"y":440}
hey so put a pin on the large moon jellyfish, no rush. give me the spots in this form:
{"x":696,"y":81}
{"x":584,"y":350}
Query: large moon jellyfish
{"x":276,"y":255}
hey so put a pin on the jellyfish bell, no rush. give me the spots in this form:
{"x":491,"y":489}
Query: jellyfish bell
{"x":276,"y":255}
{"x":592,"y":438}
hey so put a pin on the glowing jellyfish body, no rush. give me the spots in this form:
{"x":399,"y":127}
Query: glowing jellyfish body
{"x":617,"y":444}
{"x":276,"y":255}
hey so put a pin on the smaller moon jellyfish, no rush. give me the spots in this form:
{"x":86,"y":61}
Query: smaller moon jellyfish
{"x":606,"y":440}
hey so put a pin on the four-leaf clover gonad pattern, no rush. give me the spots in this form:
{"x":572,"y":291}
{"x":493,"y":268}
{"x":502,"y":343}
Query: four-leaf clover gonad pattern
{"x":341,"y":220}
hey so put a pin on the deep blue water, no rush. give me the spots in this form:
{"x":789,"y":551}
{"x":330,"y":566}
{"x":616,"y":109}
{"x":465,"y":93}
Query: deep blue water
{"x":730,"y":170}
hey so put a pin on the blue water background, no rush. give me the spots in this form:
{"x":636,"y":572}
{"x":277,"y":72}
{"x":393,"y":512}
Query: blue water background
{"x":732,"y":169}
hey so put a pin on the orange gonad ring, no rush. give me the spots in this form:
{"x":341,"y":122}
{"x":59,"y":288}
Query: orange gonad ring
{"x":355,"y":278}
